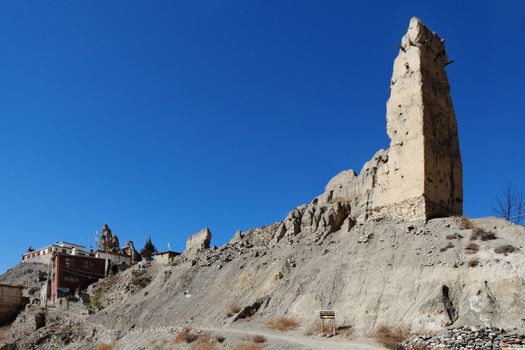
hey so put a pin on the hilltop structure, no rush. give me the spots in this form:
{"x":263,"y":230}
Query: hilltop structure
{"x":420,"y":176}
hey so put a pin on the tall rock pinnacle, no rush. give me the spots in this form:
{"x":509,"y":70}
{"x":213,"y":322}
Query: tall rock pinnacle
{"x":424,"y":157}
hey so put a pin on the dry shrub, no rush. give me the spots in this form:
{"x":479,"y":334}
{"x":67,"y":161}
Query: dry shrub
{"x":185,"y":336}
{"x":204,"y":346}
{"x":220,"y":339}
{"x":390,"y":337}
{"x":283,"y":324}
{"x":505,"y":249}
{"x":103,"y":346}
{"x":313,"y":329}
{"x":454,"y":236}
{"x":471,"y":248}
{"x":234,"y":308}
{"x":259,"y":339}
{"x":204,"y":342}
{"x":479,"y":233}
{"x":473,"y":262}
{"x":465,"y":224}
{"x":447,"y":247}
{"x":247,"y":346}
{"x":345,"y":332}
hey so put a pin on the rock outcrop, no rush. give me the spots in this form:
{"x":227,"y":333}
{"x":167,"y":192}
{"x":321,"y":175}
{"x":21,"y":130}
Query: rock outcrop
{"x":420,"y":176}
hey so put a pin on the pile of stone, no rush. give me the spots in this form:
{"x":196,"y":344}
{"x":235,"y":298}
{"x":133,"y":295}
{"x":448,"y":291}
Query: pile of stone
{"x":469,"y":337}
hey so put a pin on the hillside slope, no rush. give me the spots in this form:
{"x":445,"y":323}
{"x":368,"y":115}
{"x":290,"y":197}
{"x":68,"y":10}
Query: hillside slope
{"x":424,"y":277}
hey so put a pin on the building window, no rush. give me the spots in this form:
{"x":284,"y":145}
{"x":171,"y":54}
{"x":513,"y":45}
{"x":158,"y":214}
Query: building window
{"x":89,"y":265}
{"x":70,"y":262}
{"x":69,"y":277}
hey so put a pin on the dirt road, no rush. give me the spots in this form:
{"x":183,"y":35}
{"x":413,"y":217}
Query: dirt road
{"x":300,"y":340}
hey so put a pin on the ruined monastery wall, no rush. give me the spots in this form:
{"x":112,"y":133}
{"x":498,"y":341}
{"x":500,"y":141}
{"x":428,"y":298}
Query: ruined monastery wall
{"x":420,"y":176}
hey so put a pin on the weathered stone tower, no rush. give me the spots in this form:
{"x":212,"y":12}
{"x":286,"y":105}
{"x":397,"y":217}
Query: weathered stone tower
{"x":425,"y":172}
{"x":419,"y":177}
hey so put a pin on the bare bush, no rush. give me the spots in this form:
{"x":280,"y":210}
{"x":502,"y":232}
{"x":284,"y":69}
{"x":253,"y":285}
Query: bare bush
{"x":505,"y":249}
{"x":391,"y":337}
{"x":186,"y":335}
{"x":510,"y":205}
{"x":473,"y":262}
{"x":479,"y":233}
{"x":234,"y":308}
{"x":283,"y":324}
{"x":259,"y":339}
{"x":447,"y":247}
{"x":454,"y":236}
{"x":471,"y":248}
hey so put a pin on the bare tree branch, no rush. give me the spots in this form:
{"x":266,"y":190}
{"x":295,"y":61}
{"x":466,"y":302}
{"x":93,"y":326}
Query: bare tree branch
{"x":510,"y":205}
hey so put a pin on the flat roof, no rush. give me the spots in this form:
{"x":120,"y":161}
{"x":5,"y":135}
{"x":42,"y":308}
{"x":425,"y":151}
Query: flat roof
{"x":73,"y":244}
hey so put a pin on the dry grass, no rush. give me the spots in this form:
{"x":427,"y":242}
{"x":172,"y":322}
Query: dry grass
{"x":283,"y":324}
{"x":259,"y":339}
{"x":103,"y":346}
{"x":185,"y":336}
{"x":390,"y":337}
{"x":505,"y":249}
{"x":345,"y":332}
{"x":234,"y":308}
{"x":204,"y":342}
{"x":313,"y":329}
{"x":204,"y":346}
{"x":465,"y":224}
{"x":247,"y":346}
{"x":471,"y":248}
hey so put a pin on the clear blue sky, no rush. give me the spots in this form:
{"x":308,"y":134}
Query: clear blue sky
{"x":163,"y":117}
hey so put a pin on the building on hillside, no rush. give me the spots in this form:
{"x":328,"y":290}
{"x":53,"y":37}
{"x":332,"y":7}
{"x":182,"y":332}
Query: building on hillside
{"x":72,"y":272}
{"x":44,"y":255}
{"x":165,"y":257}
{"x":114,"y":258}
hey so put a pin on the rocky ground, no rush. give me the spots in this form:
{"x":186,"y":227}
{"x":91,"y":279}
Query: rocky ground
{"x":448,"y":272}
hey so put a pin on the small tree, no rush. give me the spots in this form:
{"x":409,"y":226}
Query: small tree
{"x":149,"y":249}
{"x":510,"y":205}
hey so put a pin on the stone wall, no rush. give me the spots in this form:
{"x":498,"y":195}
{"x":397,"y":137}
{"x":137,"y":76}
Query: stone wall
{"x":11,"y":302}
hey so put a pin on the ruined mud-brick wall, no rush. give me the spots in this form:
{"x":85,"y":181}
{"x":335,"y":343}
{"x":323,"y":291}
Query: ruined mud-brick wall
{"x":420,"y":176}
{"x":424,"y":158}
{"x":11,"y":301}
{"x":199,"y":241}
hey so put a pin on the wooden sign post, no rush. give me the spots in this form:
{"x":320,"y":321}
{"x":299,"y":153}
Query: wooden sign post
{"x":327,"y":315}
